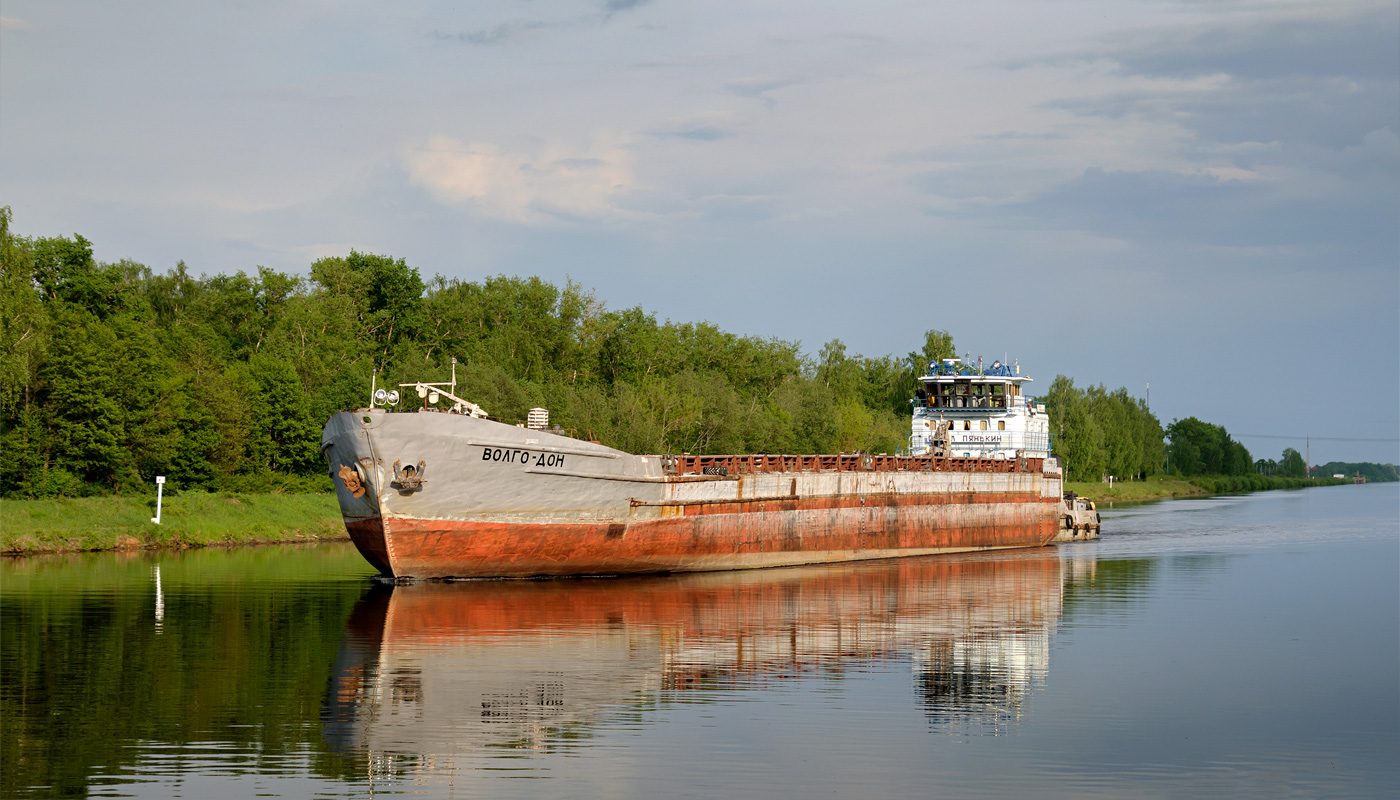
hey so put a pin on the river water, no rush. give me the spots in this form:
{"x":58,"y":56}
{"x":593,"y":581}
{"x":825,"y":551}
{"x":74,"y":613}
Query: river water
{"x":1222,"y":646}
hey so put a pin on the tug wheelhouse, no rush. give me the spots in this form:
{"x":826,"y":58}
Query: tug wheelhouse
{"x":967,"y":411}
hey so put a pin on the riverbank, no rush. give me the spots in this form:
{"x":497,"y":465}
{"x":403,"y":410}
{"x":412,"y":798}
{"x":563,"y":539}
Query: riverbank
{"x":196,"y":519}
{"x":192,"y":519}
{"x":1154,"y":488}
{"x":1161,"y":487}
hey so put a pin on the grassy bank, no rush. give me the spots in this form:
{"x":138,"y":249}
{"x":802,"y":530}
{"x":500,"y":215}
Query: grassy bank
{"x":1163,"y":486}
{"x":192,"y":519}
{"x":1155,"y":488}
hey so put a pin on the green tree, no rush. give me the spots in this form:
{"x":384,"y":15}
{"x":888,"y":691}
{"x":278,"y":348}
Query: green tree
{"x":113,"y":373}
{"x":382,"y":294}
{"x":1200,"y":448}
{"x":24,"y":337}
{"x":1292,"y":465}
{"x":65,"y":271}
{"x":283,"y":436}
{"x":1078,"y":438}
{"x":938,"y":345}
{"x":85,"y":421}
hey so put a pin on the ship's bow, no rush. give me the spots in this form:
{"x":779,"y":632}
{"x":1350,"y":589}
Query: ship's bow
{"x":348,"y":450}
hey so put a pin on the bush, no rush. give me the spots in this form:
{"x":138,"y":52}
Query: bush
{"x":56,"y":482}
{"x":273,"y":483}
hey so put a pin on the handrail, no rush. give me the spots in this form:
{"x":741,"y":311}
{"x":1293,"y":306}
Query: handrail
{"x":845,"y":462}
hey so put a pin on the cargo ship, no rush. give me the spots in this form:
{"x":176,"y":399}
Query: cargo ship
{"x":443,"y":491}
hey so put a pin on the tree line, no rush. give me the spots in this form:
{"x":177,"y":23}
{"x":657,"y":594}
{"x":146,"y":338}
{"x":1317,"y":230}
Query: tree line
{"x":1202,"y":448}
{"x":1290,"y":465}
{"x":1373,"y":473}
{"x":1100,"y":433}
{"x":113,"y":373}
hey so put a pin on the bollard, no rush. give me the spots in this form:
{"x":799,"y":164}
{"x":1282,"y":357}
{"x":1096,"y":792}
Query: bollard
{"x":160,"y":490}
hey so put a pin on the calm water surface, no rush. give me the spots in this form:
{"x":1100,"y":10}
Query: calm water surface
{"x":1224,"y":646}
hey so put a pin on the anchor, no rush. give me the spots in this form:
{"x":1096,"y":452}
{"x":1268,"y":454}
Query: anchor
{"x":409,"y":478}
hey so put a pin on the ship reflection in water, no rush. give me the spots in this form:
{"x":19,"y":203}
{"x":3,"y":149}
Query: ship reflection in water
{"x":433,"y":669}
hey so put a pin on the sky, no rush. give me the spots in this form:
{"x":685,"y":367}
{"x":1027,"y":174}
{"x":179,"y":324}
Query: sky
{"x":1203,"y":197}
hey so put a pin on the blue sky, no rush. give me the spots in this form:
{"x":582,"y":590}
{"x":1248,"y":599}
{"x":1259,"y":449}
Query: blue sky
{"x":1203,"y":196}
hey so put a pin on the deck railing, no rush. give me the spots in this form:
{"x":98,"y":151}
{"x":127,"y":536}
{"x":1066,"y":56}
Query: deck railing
{"x":723,"y":465}
{"x":994,"y":402}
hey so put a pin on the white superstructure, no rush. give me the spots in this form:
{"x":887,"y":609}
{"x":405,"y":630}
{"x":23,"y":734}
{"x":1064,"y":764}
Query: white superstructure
{"x":971,"y":411}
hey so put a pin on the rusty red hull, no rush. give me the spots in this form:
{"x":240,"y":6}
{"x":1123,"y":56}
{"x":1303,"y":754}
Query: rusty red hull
{"x":493,"y":500}
{"x":710,"y":536}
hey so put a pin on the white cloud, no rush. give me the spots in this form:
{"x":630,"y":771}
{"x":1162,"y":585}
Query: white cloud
{"x":707,"y":127}
{"x":314,"y":252}
{"x":762,"y":86}
{"x":551,"y":182}
{"x":14,"y":24}
{"x":1232,"y":174}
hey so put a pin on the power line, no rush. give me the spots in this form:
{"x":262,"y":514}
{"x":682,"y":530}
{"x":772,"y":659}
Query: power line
{"x":1305,"y":436}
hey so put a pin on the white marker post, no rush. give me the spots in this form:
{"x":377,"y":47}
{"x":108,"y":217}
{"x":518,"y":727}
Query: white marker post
{"x":160,"y":601}
{"x":160,"y":490}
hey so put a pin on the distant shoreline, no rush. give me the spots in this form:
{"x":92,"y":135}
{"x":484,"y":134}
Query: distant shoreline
{"x":196,"y":519}
{"x":1163,"y":487}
